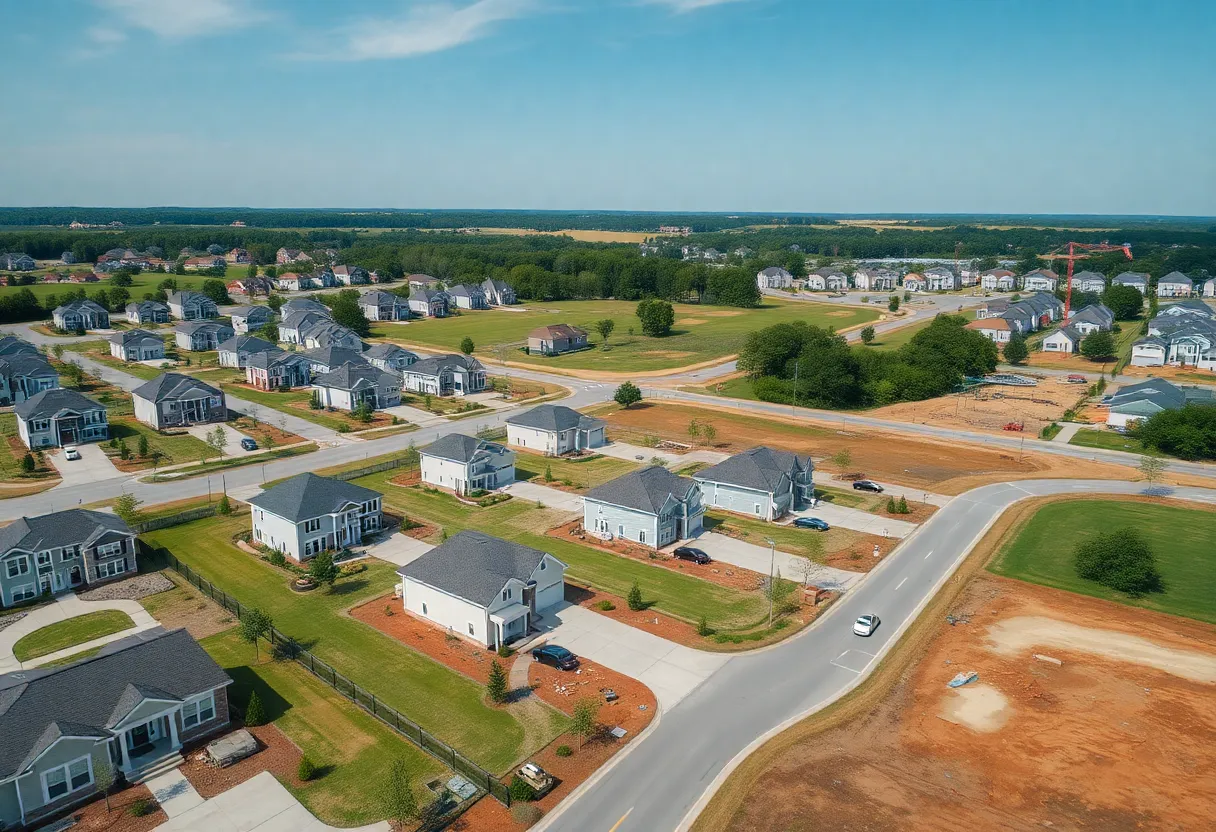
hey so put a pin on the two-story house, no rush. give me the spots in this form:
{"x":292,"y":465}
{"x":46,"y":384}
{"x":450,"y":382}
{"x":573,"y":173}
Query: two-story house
{"x":1175,"y":285}
{"x":328,"y":359}
{"x":137,"y":345}
{"x":81,"y":315}
{"x":483,"y":588}
{"x":1137,"y":280}
{"x":25,"y":374}
{"x":286,"y":256}
{"x":236,"y":350}
{"x":467,"y":296}
{"x":173,"y":400}
{"x":1089,"y":281}
{"x":383,"y":306}
{"x":941,"y":279}
{"x":390,"y":358}
{"x":651,"y":506}
{"x":200,"y":336}
{"x":351,"y":386}
{"x":329,"y":334}
{"x":464,"y":464}
{"x":192,"y":306}
{"x":761,"y":482}
{"x":246,"y":318}
{"x":497,"y":292}
{"x":63,"y":550}
{"x":914,"y":282}
{"x":296,"y":322}
{"x":277,"y":369}
{"x":147,"y":312}
{"x":307,"y":514}
{"x":998,"y":280}
{"x":351,"y":275}
{"x":554,"y":429}
{"x":58,"y":417}
{"x":446,"y":375}
{"x":774,"y":277}
{"x":429,"y":303}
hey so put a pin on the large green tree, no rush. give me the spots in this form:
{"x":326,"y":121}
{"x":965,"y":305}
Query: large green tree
{"x":1121,"y":560}
{"x":657,"y":317}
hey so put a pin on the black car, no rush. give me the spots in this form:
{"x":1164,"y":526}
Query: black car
{"x":867,"y":485}
{"x":555,"y":656}
{"x":249,"y":444}
{"x":689,"y":553}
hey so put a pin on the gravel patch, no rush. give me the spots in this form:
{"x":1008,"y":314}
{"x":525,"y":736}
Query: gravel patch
{"x":9,"y":620}
{"x":131,"y":589}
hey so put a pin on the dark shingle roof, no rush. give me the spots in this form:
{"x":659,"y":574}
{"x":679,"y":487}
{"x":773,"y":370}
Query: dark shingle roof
{"x":437,"y":364}
{"x":458,"y":447}
{"x":305,"y":496}
{"x":174,"y":386}
{"x":50,"y":402}
{"x":1095,"y":313}
{"x":247,"y":343}
{"x":387,"y":351}
{"x":646,"y":489}
{"x":191,"y":327}
{"x":474,"y":566}
{"x":38,"y":706}
{"x":334,"y":356}
{"x":1176,"y":277}
{"x":135,"y":336}
{"x":26,"y":364}
{"x":351,"y":375}
{"x":246,"y":311}
{"x":554,"y":417}
{"x":60,"y":528}
{"x":759,"y":468}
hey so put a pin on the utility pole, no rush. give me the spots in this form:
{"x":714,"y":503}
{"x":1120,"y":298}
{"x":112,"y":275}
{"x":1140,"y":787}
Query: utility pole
{"x":772,"y":562}
{"x":797,"y":367}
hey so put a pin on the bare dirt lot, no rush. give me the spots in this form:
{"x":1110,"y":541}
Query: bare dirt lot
{"x":989,"y":409}
{"x":941,"y":467}
{"x":1119,"y":735}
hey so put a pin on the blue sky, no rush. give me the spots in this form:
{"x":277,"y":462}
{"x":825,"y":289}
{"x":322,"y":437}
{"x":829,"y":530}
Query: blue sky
{"x":714,"y":105}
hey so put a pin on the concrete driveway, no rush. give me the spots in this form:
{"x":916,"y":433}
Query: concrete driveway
{"x":671,"y":670}
{"x":855,"y":519}
{"x":551,"y":497}
{"x":92,"y":466}
{"x":399,"y":549}
{"x":725,"y":549}
{"x":415,"y":415}
{"x":622,"y":450}
{"x":233,"y":448}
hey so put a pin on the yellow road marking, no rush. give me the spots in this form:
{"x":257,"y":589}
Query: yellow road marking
{"x":617,"y":825}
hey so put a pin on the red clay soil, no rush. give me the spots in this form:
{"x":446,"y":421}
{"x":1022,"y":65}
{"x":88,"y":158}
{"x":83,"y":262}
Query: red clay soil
{"x":95,"y":818}
{"x":276,"y":754}
{"x":413,"y":476}
{"x":652,"y":621}
{"x":466,"y":657}
{"x":260,"y":430}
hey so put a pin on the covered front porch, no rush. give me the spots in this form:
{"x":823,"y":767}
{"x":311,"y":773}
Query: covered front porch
{"x":142,"y":745}
{"x":510,"y":623}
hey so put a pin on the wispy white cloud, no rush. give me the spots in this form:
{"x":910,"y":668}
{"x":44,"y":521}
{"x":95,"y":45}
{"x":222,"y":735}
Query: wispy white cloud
{"x":105,"y":35}
{"x":426,"y":28}
{"x":180,"y":19}
{"x":682,"y":6}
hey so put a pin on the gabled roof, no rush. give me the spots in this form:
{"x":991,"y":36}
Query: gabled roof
{"x":1095,"y":313}
{"x":26,"y":364}
{"x":1088,"y":275}
{"x":295,"y":305}
{"x":1068,"y":332}
{"x":646,"y":489}
{"x":1157,"y":391}
{"x":379,"y":298}
{"x":306,"y":496}
{"x":246,"y":343}
{"x":247,"y":311}
{"x":459,"y":448}
{"x":759,"y":468}
{"x":996,"y":323}
{"x":303,"y":318}
{"x":775,"y":271}
{"x":474,"y":566}
{"x":558,"y":331}
{"x":435,"y":365}
{"x":37,"y":707}
{"x":191,"y":327}
{"x":136,"y":336}
{"x":353,"y":375}
{"x":427,"y":295}
{"x":147,"y":306}
{"x":81,"y":305}
{"x":60,"y":528}
{"x":188,"y":296}
{"x":327,"y":333}
{"x":464,"y":290}
{"x":168,"y":386}
{"x":1131,"y":277}
{"x":554,"y":418}
{"x":12,"y":345}
{"x":334,"y":356}
{"x":49,"y":402}
{"x":1176,"y":277}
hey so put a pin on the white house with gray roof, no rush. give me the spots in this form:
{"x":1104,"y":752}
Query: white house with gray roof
{"x":467,"y":296}
{"x":1087,"y":281}
{"x":245,"y":318}
{"x":774,"y":277}
{"x":761,"y":482}
{"x":1097,"y":317}
{"x":236,"y":350}
{"x":1133,"y":402}
{"x":147,"y":312}
{"x":307,"y":514}
{"x":137,"y":345}
{"x":390,"y":358}
{"x":81,"y":315}
{"x":383,"y":306}
{"x":58,"y":417}
{"x":497,"y":292}
{"x":63,"y":550}
{"x":554,"y":429}
{"x":174,"y":400}
{"x":483,"y":588}
{"x":200,"y":335}
{"x":1137,"y":280}
{"x":1175,"y":285}
{"x":464,"y":464}
{"x":429,"y":303}
{"x":446,"y":375}
{"x":651,"y":506}
{"x":192,"y":306}
{"x":25,"y":374}
{"x":350,"y":386}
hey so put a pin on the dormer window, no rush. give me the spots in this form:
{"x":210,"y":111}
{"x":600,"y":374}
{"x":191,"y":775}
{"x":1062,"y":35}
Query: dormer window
{"x":506,"y":594}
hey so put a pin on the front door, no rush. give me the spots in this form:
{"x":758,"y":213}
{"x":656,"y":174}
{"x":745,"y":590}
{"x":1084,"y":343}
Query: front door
{"x":74,"y":576}
{"x":138,"y":736}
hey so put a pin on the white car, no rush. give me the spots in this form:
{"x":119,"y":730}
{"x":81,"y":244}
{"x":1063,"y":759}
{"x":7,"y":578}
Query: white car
{"x":70,"y":452}
{"x":865,"y":625}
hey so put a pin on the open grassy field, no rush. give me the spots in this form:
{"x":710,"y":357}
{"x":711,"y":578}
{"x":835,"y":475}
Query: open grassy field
{"x":584,"y":473}
{"x":1124,"y":339}
{"x":69,"y":633}
{"x":140,"y":283}
{"x":701,"y":333}
{"x":353,"y":750}
{"x":12,"y":452}
{"x":174,"y":449}
{"x":1041,"y":551}
{"x":1107,"y":440}
{"x":443,"y":702}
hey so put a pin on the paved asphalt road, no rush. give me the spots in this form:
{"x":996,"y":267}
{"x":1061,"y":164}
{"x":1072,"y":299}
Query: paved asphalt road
{"x":664,"y":781}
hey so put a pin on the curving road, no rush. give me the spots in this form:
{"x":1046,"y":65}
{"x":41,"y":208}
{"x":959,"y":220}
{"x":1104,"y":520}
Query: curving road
{"x":664,"y":781}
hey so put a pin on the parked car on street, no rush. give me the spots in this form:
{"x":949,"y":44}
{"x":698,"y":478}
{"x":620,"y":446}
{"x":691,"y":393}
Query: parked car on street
{"x":71,"y":452}
{"x":692,"y":554}
{"x":555,"y":656}
{"x":812,"y":523}
{"x":865,"y":625}
{"x":867,"y":485}
{"x":249,"y":444}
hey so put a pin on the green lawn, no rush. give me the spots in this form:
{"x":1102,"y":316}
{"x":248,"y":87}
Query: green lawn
{"x":283,"y":402}
{"x":1107,"y":440}
{"x":1042,"y":551}
{"x":897,"y":338}
{"x":445,"y":703}
{"x":583,"y":472}
{"x":352,"y":750}
{"x":174,"y":449}
{"x":69,"y":633}
{"x":140,"y":283}
{"x":13,"y":452}
{"x":700,"y":333}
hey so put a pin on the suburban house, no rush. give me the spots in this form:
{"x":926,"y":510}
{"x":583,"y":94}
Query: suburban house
{"x":192,"y":306}
{"x":446,"y":375}
{"x":1066,"y":339}
{"x":275,"y":369}
{"x":173,"y":400}
{"x":554,"y":429}
{"x":205,"y":262}
{"x":238,"y":256}
{"x":25,"y":374}
{"x":351,"y":275}
{"x":58,"y":417}
{"x":651,"y":506}
{"x":1137,"y":280}
{"x":290,"y":255}
{"x":236,"y":350}
{"x":245,"y":318}
{"x":137,"y":345}
{"x":17,"y":262}
{"x":1175,"y":285}
{"x":483,"y":588}
{"x":350,"y":386}
{"x":296,"y":322}
{"x":327,"y":359}
{"x":63,"y":550}
{"x":12,"y":345}
{"x":995,"y":329}
{"x":421,"y":281}
{"x":875,"y":280}
{"x":761,"y":482}
{"x":814,"y":282}
{"x":383,"y":306}
{"x":294,"y":282}
{"x":497,"y":292}
{"x":1092,"y":318}
{"x":429,"y":303}
{"x":1133,"y":402}
{"x":251,"y":286}
{"x":941,"y":279}
{"x":1027,"y":315}
{"x":467,"y":296}
{"x":1209,"y":287}
{"x":303,"y":305}
{"x":131,"y":708}
{"x":326,"y":333}
{"x":774,"y":277}
{"x":1088,"y":281}
{"x":556,"y":339}
{"x":465,"y":464}
{"x":837,"y":281}
{"x":914,"y":282}
{"x":80,"y":315}
{"x":147,"y":312}
{"x":998,"y":280}
{"x":307,"y":514}
{"x":390,"y":358}
{"x":1182,"y":334}
{"x":1040,"y":280}
{"x":200,"y":336}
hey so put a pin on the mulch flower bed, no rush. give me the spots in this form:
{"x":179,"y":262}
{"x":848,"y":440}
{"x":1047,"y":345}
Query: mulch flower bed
{"x":95,"y":818}
{"x":276,"y":754}
{"x":460,"y":655}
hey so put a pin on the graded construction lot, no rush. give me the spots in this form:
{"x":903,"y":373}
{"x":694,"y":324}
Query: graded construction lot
{"x":1086,"y":715}
{"x":992,"y":407}
{"x":700,"y":333}
{"x":941,"y":467}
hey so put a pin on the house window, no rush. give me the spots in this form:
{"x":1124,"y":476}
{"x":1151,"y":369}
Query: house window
{"x":23,"y":593}
{"x":109,"y":549}
{"x":424,"y":612}
{"x":198,"y":711}
{"x":313,"y":525}
{"x":111,"y":568}
{"x":470,"y":628}
{"x":19,"y":566}
{"x":44,"y":558}
{"x":506,"y":594}
{"x":641,"y":536}
{"x":67,"y":778}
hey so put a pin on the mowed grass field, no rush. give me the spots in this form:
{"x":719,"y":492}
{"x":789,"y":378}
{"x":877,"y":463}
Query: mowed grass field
{"x":1041,"y":551}
{"x":140,"y":283}
{"x":701,"y":333}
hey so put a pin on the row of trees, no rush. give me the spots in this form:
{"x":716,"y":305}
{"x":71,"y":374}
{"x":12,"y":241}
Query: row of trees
{"x":1189,"y":432}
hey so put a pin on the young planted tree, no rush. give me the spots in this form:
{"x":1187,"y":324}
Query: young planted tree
{"x":466,"y":345}
{"x":143,"y":445}
{"x":323,"y":570}
{"x":842,"y":459}
{"x":127,"y":508}
{"x":1152,"y":468}
{"x":627,"y":394}
{"x":255,"y":624}
{"x":218,"y":439}
{"x":634,"y":599}
{"x":893,"y":303}
{"x":27,"y":464}
{"x":604,"y":327}
{"x":224,"y":507}
{"x":103,"y":779}
{"x":709,"y":433}
{"x":496,"y":687}
{"x":255,"y":711}
{"x":583,"y":721}
{"x":694,"y":429}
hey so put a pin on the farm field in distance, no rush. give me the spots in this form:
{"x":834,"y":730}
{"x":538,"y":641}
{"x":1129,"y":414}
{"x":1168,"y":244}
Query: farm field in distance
{"x":700,"y":333}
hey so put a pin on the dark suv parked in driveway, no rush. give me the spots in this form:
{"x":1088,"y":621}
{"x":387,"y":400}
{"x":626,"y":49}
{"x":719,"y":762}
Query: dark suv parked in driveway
{"x":867,"y":485}
{"x":689,"y":553}
{"x":555,"y":656}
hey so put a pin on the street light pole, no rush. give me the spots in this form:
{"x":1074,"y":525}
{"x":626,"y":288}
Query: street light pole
{"x":772,"y":562}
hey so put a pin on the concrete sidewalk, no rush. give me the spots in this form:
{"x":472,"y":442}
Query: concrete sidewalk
{"x":1067,"y":431}
{"x":65,"y":607}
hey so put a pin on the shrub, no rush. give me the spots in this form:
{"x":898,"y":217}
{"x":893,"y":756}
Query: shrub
{"x":548,"y":473}
{"x":255,"y":713}
{"x":891,"y":508}
{"x":525,"y":814}
{"x":606,"y":605}
{"x":867,"y":335}
{"x":277,"y":558}
{"x":496,"y":688}
{"x":504,"y":651}
{"x":563,"y":751}
{"x":902,"y":506}
{"x":27,"y":464}
{"x":703,"y":628}
{"x":224,"y":507}
{"x":521,"y":789}
{"x":142,"y":807}
{"x":306,"y":770}
{"x":1121,"y":560}
{"x":344,"y":428}
{"x":635,"y":598}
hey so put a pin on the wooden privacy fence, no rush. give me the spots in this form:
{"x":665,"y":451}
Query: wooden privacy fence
{"x":175,"y":519}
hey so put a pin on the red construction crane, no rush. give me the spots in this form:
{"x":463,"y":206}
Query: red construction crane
{"x":1072,"y":256}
